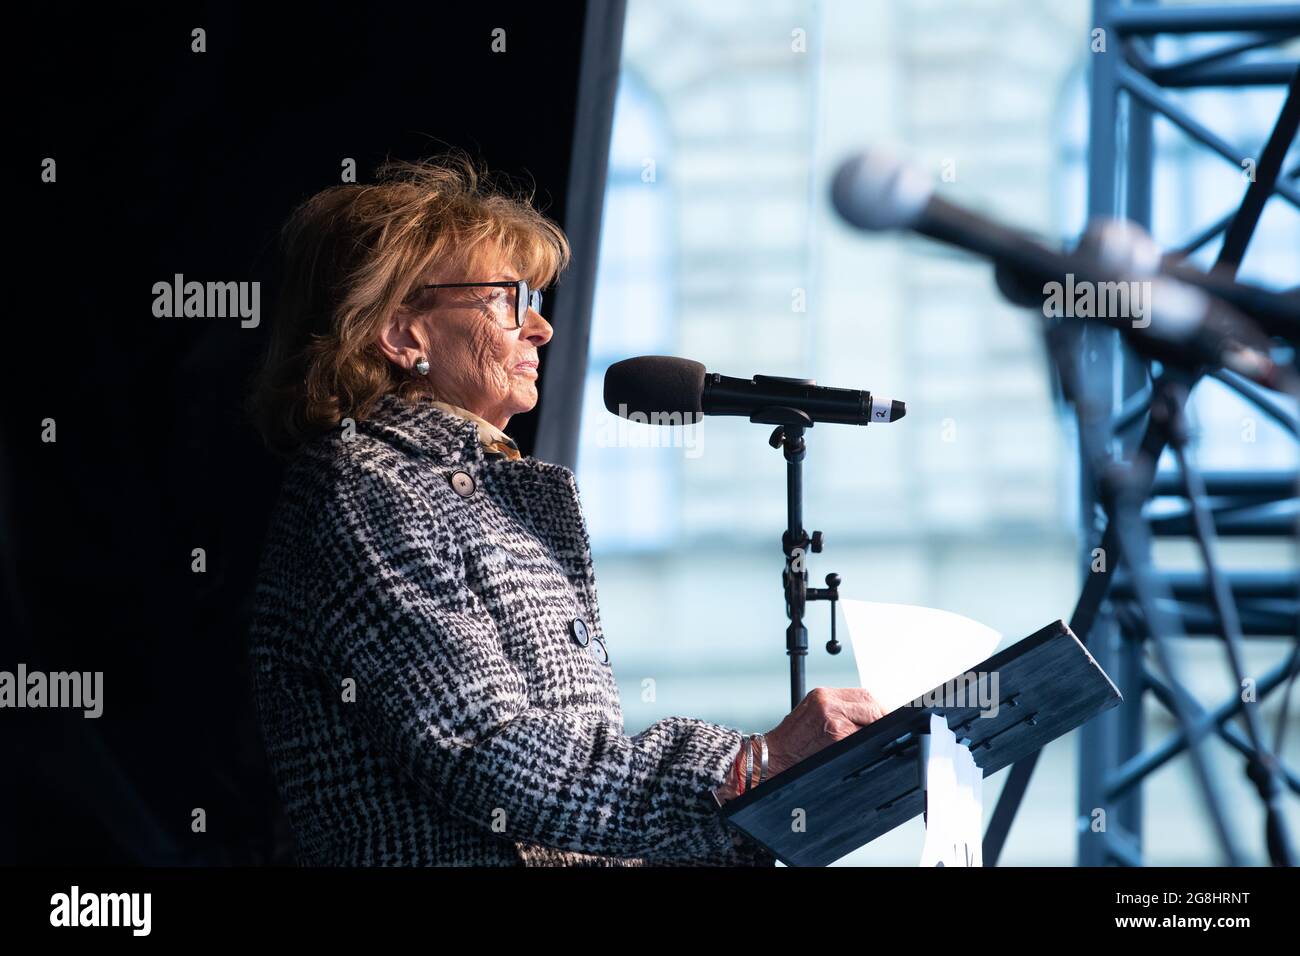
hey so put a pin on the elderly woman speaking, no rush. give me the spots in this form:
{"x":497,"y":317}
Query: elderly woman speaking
{"x":432,"y":679}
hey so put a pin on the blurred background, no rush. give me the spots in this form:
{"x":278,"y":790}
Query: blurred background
{"x":719,"y":244}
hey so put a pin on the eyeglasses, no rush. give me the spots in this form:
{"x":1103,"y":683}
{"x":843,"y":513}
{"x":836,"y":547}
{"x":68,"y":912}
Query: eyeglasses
{"x":502,"y":307}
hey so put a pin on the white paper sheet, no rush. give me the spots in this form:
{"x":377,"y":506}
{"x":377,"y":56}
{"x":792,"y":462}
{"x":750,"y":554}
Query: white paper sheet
{"x":954,"y":803}
{"x":903,"y":650}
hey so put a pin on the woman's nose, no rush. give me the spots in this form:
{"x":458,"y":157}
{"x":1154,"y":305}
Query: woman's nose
{"x":536,"y":329}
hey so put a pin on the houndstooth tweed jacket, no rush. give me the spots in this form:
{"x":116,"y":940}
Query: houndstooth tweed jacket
{"x":432,"y":680}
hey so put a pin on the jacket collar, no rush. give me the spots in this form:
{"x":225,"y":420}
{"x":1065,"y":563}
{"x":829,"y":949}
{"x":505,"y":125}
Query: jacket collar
{"x":490,"y":437}
{"x":542,"y":493}
{"x":423,"y":428}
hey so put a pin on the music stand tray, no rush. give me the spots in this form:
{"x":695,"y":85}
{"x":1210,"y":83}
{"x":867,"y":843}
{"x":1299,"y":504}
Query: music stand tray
{"x":849,"y":793}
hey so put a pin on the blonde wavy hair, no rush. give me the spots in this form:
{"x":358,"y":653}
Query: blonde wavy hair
{"x":351,"y":255}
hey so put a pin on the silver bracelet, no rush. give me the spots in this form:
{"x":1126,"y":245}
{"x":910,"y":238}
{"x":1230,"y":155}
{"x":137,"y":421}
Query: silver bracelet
{"x":762,"y":772}
{"x":749,"y":761}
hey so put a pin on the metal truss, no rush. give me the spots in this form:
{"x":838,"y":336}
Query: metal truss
{"x":1130,"y":413}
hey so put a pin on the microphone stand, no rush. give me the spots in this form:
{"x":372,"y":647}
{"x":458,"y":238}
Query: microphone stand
{"x":795,"y":541}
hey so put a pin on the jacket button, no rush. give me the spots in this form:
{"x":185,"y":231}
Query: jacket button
{"x":462,"y":483}
{"x":578,"y":630}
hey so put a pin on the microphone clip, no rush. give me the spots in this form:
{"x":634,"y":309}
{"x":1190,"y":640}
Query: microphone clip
{"x":781,"y":416}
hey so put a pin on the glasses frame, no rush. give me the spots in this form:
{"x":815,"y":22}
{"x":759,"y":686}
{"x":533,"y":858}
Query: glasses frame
{"x":525,"y":298}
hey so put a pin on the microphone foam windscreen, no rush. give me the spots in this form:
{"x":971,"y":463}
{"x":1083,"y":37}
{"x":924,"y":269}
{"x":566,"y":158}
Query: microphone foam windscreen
{"x":650,"y":384}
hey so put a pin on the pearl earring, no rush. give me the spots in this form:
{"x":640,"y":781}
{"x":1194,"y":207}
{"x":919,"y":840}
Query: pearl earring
{"x":422,"y":365}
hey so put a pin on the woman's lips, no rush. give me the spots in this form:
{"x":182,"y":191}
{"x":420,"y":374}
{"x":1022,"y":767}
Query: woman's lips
{"x":526,"y":367}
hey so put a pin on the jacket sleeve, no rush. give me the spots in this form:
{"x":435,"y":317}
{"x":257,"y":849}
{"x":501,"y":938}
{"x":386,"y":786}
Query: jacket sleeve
{"x":438,"y":695}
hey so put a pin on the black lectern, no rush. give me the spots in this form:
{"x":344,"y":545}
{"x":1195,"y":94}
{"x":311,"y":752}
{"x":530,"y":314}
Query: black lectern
{"x":858,"y":788}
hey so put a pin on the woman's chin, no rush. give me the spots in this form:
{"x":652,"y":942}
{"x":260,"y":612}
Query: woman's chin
{"x":525,"y":398}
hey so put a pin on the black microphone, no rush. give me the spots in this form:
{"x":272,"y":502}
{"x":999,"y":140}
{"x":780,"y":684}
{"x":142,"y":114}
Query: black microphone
{"x":665,"y":390}
{"x":874,"y":191}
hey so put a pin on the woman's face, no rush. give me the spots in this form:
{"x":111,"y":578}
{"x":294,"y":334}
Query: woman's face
{"x":474,"y":360}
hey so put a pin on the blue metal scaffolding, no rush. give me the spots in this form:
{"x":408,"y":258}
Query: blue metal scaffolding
{"x":1128,"y":608}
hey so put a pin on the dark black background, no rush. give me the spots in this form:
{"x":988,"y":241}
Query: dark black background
{"x":172,"y":161}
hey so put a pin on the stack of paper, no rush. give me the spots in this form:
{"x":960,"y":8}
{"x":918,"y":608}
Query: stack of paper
{"x":954,"y":800}
{"x":902,"y":652}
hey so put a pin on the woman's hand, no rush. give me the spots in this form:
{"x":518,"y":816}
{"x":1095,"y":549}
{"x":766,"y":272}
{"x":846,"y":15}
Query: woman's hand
{"x":826,"y":715}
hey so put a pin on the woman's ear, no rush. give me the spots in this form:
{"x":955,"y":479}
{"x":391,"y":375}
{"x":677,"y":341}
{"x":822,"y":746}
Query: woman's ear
{"x":399,"y":339}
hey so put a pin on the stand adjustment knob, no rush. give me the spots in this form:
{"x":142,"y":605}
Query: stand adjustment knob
{"x":832,"y":583}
